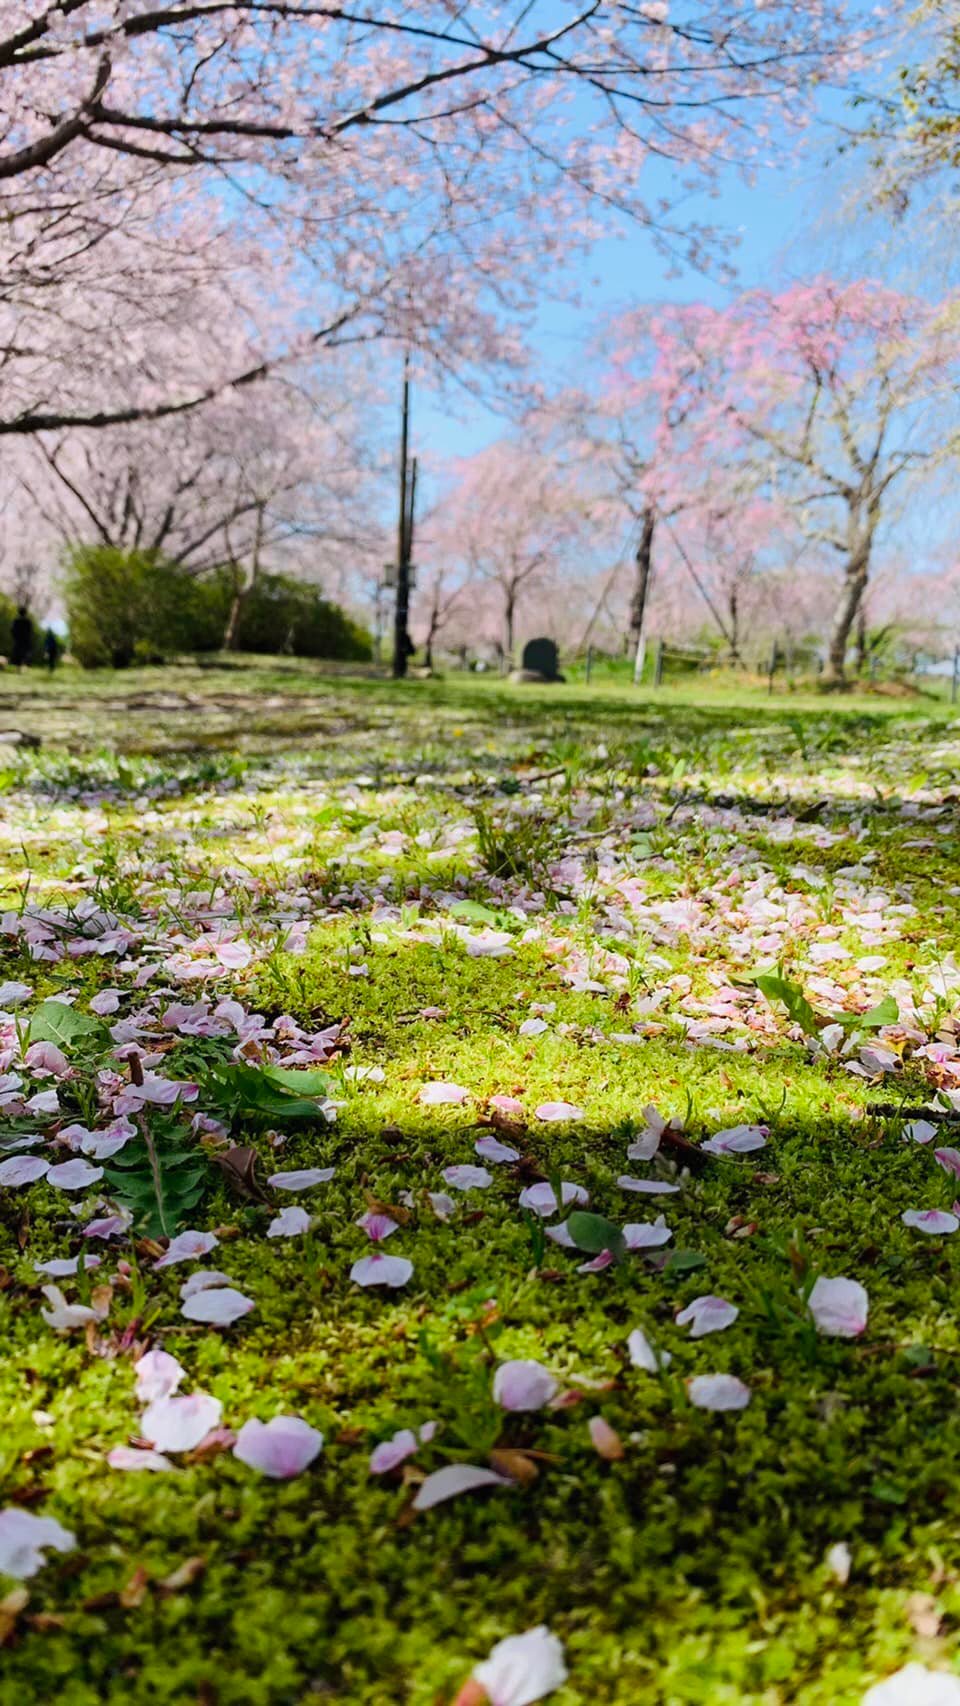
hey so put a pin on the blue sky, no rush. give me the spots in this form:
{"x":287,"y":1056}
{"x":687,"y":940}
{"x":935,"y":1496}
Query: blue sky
{"x":780,"y":234}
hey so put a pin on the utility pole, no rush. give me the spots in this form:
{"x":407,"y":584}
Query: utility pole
{"x":404,"y":533}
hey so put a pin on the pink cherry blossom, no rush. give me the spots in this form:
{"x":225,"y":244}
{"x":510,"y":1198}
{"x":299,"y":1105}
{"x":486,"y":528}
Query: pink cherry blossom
{"x":491,"y":1149}
{"x":915,"y":1685}
{"x":377,"y":1226}
{"x":11,"y":994}
{"x":541,"y":1200}
{"x":464,"y":1177}
{"x":219,"y":1307}
{"x":280,"y":1448}
{"x":158,"y":1376}
{"x":557,"y":1111}
{"x":442,"y":1094}
{"x":380,"y":1269}
{"x":20,"y":1170}
{"x":646,"y":1234}
{"x":24,"y":1537}
{"x":718,"y":1392}
{"x":62,"y":1316}
{"x":74,"y":1175}
{"x":106,"y":1001}
{"x":507,"y":1104}
{"x":839,"y":1307}
{"x":186,"y":1246}
{"x":44,"y":1102}
{"x":642,"y":1354}
{"x":136,"y":1457}
{"x":649,"y":1187}
{"x":454,"y":1479}
{"x":522,"y":1669}
{"x":107,"y":1226}
{"x":390,"y":1453}
{"x":949,"y":1160}
{"x":707,"y":1315}
{"x":302,"y":1180}
{"x":180,"y":1423}
{"x":291,"y":1222}
{"x":523,"y":1385}
{"x":934,"y":1221}
{"x":45,"y":1058}
{"x":736,"y":1140}
{"x":62,"y":1267}
{"x":920,"y":1131}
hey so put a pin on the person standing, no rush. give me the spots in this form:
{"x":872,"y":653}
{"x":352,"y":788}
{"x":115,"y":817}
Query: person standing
{"x":51,"y":650}
{"x":21,"y":633}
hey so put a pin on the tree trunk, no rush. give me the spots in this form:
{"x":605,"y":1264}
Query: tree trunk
{"x":861,"y":639}
{"x":509,"y":616}
{"x":734,"y":611}
{"x":241,"y":592}
{"x":233,"y":619}
{"x":643,"y":563}
{"x":854,"y":586}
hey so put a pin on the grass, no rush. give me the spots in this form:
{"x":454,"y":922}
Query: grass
{"x":644,"y":858}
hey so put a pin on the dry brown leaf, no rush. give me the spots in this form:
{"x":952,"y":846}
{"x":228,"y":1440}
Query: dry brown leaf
{"x":134,"y":1592}
{"x":183,"y":1576}
{"x":518,"y":1465}
{"x":11,"y":1606}
{"x":923,"y":1614}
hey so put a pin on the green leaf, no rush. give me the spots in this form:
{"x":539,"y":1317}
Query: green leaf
{"x":684,"y":1262}
{"x":242,"y":1089}
{"x":159,"y":1179}
{"x":886,"y":1012}
{"x":55,"y":1022}
{"x":306,"y":1081}
{"x":592,"y":1233}
{"x":472,"y":910}
{"x":890,"y":1492}
{"x":777,"y":988}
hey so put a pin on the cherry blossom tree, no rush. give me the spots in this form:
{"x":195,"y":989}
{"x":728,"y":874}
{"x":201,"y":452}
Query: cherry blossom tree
{"x":510,"y":525}
{"x":825,"y":397}
{"x":381,"y":172}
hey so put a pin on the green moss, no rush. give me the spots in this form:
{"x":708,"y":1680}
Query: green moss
{"x":694,"y":1569}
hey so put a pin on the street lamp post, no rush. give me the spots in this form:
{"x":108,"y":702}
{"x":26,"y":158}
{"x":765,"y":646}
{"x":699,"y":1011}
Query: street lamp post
{"x":408,"y":492}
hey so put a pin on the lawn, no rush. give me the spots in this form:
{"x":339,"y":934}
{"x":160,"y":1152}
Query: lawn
{"x":503,"y":938}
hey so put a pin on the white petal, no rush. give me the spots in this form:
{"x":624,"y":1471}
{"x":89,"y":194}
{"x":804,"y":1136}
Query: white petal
{"x":179,"y":1424}
{"x":456,"y":1478}
{"x":523,"y":1668}
{"x":219,"y":1307}
{"x":280,"y":1448}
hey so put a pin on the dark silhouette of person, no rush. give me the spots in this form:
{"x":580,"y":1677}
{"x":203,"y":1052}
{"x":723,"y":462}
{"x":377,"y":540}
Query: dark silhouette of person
{"x":51,"y":649}
{"x":21,"y":633}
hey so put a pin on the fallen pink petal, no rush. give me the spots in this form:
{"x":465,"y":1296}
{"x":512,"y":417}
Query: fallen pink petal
{"x":839,"y":1307}
{"x":523,"y":1385}
{"x":707,"y":1315}
{"x":180,"y":1423}
{"x":379,"y":1269}
{"x":219,"y":1307}
{"x":935,"y":1222}
{"x":280,"y":1448}
{"x":454,"y":1479}
{"x":718,"y":1392}
{"x":522,"y":1669}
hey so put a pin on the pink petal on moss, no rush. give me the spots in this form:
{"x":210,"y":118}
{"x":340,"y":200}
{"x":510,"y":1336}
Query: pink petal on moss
{"x":450,"y":1482}
{"x":280,"y":1448}
{"x":219,"y":1307}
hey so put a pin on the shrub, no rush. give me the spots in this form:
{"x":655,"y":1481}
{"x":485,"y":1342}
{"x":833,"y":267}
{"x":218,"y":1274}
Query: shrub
{"x":132,"y":606}
{"x":280,"y":614}
{"x":8,"y":611}
{"x":127,"y":605}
